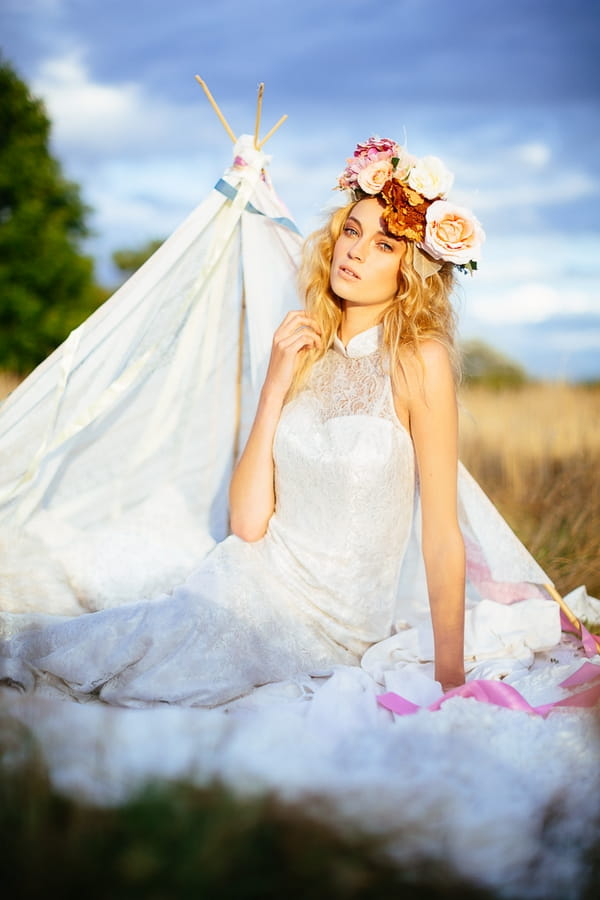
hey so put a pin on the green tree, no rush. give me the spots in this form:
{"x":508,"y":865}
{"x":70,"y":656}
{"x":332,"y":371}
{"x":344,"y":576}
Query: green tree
{"x":46,"y":283}
{"x":483,"y":364}
{"x":130,"y":260}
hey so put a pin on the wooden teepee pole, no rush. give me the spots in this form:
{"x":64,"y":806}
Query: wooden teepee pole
{"x":570,"y":615}
{"x":271,"y":133}
{"x":258,"y":144}
{"x":240,"y":368}
{"x":261,"y":90}
{"x":212,"y":102}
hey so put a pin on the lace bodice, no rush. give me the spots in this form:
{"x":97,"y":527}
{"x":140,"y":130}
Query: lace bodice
{"x":345,"y":475}
{"x":348,"y":382}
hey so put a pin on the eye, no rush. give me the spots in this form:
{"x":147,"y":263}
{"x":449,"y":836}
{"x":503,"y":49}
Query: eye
{"x":387,"y":248}
{"x":350,"y":230}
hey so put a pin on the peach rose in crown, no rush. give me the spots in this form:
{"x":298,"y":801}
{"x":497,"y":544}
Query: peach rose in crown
{"x":373,"y":177}
{"x":452,"y":233}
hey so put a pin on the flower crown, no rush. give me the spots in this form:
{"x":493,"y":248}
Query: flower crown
{"x":413,"y":194}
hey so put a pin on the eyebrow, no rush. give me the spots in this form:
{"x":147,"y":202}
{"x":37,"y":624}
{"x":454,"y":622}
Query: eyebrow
{"x":385,"y":234}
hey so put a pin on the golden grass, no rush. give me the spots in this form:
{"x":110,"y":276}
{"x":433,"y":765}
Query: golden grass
{"x":8,"y":382}
{"x":536,"y":453}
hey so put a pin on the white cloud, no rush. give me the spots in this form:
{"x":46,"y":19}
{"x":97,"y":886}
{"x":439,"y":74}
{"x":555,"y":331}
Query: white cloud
{"x":532,"y":301}
{"x":102,"y":121}
{"x":495,"y":175}
{"x":544,"y":256}
{"x":528,"y":302}
{"x":149,"y":197}
{"x":560,"y":187}
{"x":143,"y":163}
{"x":535,"y":154}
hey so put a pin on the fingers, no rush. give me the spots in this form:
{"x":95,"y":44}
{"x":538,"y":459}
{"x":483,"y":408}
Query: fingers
{"x":297,"y":319}
{"x":297,"y":330}
{"x":299,"y":339}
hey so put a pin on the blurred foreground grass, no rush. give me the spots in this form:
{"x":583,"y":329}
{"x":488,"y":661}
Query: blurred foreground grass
{"x":182,"y":841}
{"x":535,"y":450}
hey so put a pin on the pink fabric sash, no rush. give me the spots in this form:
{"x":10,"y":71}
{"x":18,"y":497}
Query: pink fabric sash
{"x":591,"y":642}
{"x":506,"y":592}
{"x":500,"y":694}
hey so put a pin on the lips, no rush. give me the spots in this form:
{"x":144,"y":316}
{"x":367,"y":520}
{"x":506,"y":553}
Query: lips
{"x":347,"y":272}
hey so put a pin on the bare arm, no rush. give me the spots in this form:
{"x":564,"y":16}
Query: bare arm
{"x":252,"y":490}
{"x":433,"y":419}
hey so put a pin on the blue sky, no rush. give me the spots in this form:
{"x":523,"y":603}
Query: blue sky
{"x":507,"y":93}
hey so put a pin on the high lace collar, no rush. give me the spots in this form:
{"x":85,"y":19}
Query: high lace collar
{"x":362,"y":344}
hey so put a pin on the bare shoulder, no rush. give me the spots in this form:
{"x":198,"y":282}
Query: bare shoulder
{"x":428,"y":371}
{"x":435,"y":354}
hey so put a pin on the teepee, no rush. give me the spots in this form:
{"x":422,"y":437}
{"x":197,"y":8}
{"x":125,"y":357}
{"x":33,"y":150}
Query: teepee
{"x":158,"y":385}
{"x":116,"y":452}
{"x":131,"y":427}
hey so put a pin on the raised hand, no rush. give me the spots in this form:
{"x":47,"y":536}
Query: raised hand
{"x":297,"y":332}
{"x":251,"y":493}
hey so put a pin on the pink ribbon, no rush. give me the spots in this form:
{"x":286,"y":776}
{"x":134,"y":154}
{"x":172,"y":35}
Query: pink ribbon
{"x":501,"y":694}
{"x":591,"y":642}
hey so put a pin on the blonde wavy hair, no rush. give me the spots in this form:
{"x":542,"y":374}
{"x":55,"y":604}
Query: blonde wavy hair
{"x":420,"y":310}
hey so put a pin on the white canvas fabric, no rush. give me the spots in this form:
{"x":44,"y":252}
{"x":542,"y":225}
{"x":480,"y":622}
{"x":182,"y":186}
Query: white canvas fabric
{"x":143,"y":396}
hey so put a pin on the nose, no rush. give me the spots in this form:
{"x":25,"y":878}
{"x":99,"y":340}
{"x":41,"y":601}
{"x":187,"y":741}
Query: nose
{"x":357,"y":249}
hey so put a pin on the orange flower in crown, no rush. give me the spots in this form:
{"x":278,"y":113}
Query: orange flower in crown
{"x":413,"y":195}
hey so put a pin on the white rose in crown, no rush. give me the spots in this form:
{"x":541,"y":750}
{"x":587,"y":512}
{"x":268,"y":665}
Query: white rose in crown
{"x":373,"y":177}
{"x":452,"y":233}
{"x":406,"y":161}
{"x":430,"y":177}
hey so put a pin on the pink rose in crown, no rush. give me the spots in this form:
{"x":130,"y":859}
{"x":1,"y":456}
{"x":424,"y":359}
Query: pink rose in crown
{"x":452,"y":233}
{"x":350,"y":176}
{"x":371,"y":152}
{"x":375,"y":146}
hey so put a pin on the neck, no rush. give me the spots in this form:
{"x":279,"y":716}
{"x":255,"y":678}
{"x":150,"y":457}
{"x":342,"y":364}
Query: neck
{"x":356,"y":319}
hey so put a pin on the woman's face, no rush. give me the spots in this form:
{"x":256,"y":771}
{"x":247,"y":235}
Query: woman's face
{"x":366,"y":259}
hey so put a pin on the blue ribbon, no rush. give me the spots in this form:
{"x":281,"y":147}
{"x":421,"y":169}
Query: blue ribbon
{"x":230,"y":192}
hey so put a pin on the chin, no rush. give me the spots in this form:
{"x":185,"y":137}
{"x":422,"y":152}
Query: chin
{"x":342,"y":290}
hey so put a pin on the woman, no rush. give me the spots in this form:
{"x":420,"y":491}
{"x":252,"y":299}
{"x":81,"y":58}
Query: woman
{"x":359,"y":397}
{"x":360,"y":273}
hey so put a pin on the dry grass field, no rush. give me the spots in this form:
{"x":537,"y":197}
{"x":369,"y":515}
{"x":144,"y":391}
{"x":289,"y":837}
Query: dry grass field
{"x":8,"y":382}
{"x":535,"y":450}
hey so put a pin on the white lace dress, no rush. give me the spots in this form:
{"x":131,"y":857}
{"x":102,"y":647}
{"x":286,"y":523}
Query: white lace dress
{"x":316,"y":592}
{"x":503,"y":797}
